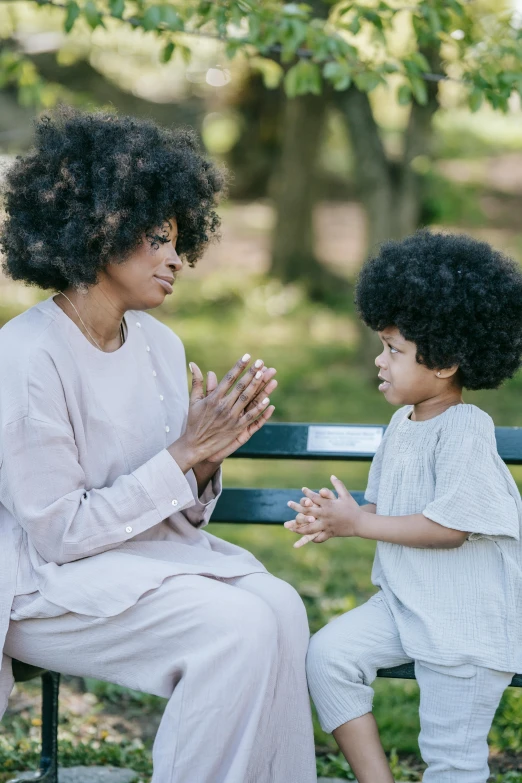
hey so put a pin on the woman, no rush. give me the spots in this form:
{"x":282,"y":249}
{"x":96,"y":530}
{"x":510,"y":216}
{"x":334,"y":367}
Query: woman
{"x":109,"y":473}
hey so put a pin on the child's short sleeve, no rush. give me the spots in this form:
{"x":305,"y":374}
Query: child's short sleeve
{"x":474,"y":490}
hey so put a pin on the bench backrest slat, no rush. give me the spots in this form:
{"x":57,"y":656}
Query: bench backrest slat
{"x":347,"y":442}
{"x":354,"y":442}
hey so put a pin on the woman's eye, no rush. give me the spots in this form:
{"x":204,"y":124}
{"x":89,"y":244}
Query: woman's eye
{"x":156,"y":240}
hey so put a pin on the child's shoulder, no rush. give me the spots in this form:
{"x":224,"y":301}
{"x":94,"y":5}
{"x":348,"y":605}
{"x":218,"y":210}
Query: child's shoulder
{"x":467,"y":419}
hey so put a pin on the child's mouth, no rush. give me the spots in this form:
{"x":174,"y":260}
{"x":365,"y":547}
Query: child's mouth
{"x":385,"y":385}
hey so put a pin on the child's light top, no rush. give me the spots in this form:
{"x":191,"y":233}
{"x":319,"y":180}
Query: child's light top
{"x":461,"y":605}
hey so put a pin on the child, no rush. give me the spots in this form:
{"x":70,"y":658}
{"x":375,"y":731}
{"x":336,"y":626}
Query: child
{"x":442,"y":505}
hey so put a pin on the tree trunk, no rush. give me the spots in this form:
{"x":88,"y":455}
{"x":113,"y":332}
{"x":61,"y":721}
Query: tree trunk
{"x":293,"y":256}
{"x":390,"y":190}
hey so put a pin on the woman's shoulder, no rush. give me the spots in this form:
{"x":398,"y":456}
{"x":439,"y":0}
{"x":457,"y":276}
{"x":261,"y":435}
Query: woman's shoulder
{"x":26,"y":358}
{"x":24,"y":333}
{"x":156,"y":329}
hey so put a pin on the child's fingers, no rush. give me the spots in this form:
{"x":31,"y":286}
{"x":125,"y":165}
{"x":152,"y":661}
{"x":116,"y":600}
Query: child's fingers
{"x":305,"y":540}
{"x":339,"y":487}
{"x":307,"y":503}
{"x":313,"y":496}
{"x":303,"y":528}
{"x":305,"y":510}
{"x":327,"y":493}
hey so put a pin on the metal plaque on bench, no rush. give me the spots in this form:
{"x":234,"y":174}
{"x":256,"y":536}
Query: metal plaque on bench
{"x":361,"y":440}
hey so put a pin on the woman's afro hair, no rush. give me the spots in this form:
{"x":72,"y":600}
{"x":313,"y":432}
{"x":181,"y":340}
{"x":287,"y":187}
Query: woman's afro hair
{"x":456,"y":298}
{"x":93,"y":186}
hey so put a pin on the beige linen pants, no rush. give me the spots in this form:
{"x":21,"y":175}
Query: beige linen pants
{"x":230,"y":658}
{"x":457,"y":703}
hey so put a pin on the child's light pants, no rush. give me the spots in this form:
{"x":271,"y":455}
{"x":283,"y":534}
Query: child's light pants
{"x":457,"y":703}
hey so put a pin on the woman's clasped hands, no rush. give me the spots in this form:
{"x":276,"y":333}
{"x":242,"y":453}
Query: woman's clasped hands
{"x":224,"y":416}
{"x":323,"y":515}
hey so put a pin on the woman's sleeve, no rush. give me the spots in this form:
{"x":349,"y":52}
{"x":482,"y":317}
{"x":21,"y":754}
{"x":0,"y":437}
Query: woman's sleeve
{"x":42,"y":484}
{"x":199,"y":514}
{"x":474,"y":491}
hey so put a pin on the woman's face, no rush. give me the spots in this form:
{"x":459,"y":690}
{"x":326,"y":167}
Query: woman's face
{"x":144,"y":280}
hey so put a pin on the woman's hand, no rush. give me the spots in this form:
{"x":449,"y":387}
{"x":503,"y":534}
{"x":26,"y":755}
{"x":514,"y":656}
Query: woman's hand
{"x":222,"y":419}
{"x":321,"y":515}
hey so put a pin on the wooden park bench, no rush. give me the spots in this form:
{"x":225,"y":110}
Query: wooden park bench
{"x":266,"y":507}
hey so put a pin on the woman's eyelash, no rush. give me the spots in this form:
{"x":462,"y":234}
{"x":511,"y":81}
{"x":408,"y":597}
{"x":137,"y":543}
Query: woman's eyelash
{"x":158,"y":239}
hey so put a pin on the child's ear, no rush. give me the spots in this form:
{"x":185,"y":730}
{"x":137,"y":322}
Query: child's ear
{"x":448,"y":372}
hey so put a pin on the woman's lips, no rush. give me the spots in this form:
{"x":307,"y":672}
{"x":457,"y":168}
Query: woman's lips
{"x":165,"y":284}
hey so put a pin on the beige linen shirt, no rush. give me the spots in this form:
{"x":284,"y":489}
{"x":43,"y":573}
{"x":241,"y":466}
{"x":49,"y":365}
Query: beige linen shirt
{"x":94,"y":511}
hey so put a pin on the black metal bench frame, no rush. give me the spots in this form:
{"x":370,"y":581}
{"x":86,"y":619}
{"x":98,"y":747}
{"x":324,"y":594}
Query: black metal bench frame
{"x":255,"y":506}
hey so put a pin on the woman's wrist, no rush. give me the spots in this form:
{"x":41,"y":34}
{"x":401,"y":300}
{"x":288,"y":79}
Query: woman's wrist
{"x":204,"y":472}
{"x":185,"y":454}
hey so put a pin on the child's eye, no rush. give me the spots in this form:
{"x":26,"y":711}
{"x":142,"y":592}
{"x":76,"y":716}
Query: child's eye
{"x":393,"y":350}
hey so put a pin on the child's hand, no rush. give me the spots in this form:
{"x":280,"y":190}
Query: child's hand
{"x":322,"y":515}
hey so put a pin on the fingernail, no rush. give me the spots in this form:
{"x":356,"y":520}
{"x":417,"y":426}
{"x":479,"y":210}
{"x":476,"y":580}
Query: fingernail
{"x":288,"y":502}
{"x":287,"y":524}
{"x":258,"y":375}
{"x":333,"y":478}
{"x":259,"y":363}
{"x":265,"y":401}
{"x":190,"y":366}
{"x":246,"y":357}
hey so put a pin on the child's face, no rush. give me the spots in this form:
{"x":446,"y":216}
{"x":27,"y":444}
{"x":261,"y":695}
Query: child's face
{"x":404,"y":380}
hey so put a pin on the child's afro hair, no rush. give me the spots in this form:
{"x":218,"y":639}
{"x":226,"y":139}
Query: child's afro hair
{"x":93,"y":186}
{"x":456,"y":298}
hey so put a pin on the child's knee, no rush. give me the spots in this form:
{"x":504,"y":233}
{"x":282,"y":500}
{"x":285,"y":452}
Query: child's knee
{"x":329,"y":663}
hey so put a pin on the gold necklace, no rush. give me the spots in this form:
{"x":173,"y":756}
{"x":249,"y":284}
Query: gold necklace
{"x":122,"y":338}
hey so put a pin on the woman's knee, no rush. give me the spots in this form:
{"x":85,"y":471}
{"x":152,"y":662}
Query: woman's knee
{"x":247,"y":624}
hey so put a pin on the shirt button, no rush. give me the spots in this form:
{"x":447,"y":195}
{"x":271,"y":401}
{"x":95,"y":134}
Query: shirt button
{"x":167,"y":428}
{"x":161,"y":397}
{"x":154,"y":373}
{"x":128,"y":529}
{"x":148,"y":347}
{"x":174,"y":502}
{"x":138,"y":324}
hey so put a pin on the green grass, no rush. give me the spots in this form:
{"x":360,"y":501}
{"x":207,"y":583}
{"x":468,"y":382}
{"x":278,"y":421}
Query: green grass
{"x":315,"y":349}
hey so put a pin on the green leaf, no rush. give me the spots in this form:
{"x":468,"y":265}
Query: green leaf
{"x":73,"y":12}
{"x":171,"y":19}
{"x":367,"y":81}
{"x":355,"y":25}
{"x":338,"y":73}
{"x":420,"y":61}
{"x":419,"y":90}
{"x":232,"y":48}
{"x":92,"y":15}
{"x":434,"y":20}
{"x":404,"y":95}
{"x":475,"y":99}
{"x":304,"y":77}
{"x":167,"y":52}
{"x":117,"y":8}
{"x":152,"y":18}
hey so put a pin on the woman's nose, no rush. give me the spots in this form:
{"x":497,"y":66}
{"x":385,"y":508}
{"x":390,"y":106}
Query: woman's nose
{"x":175,"y":263}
